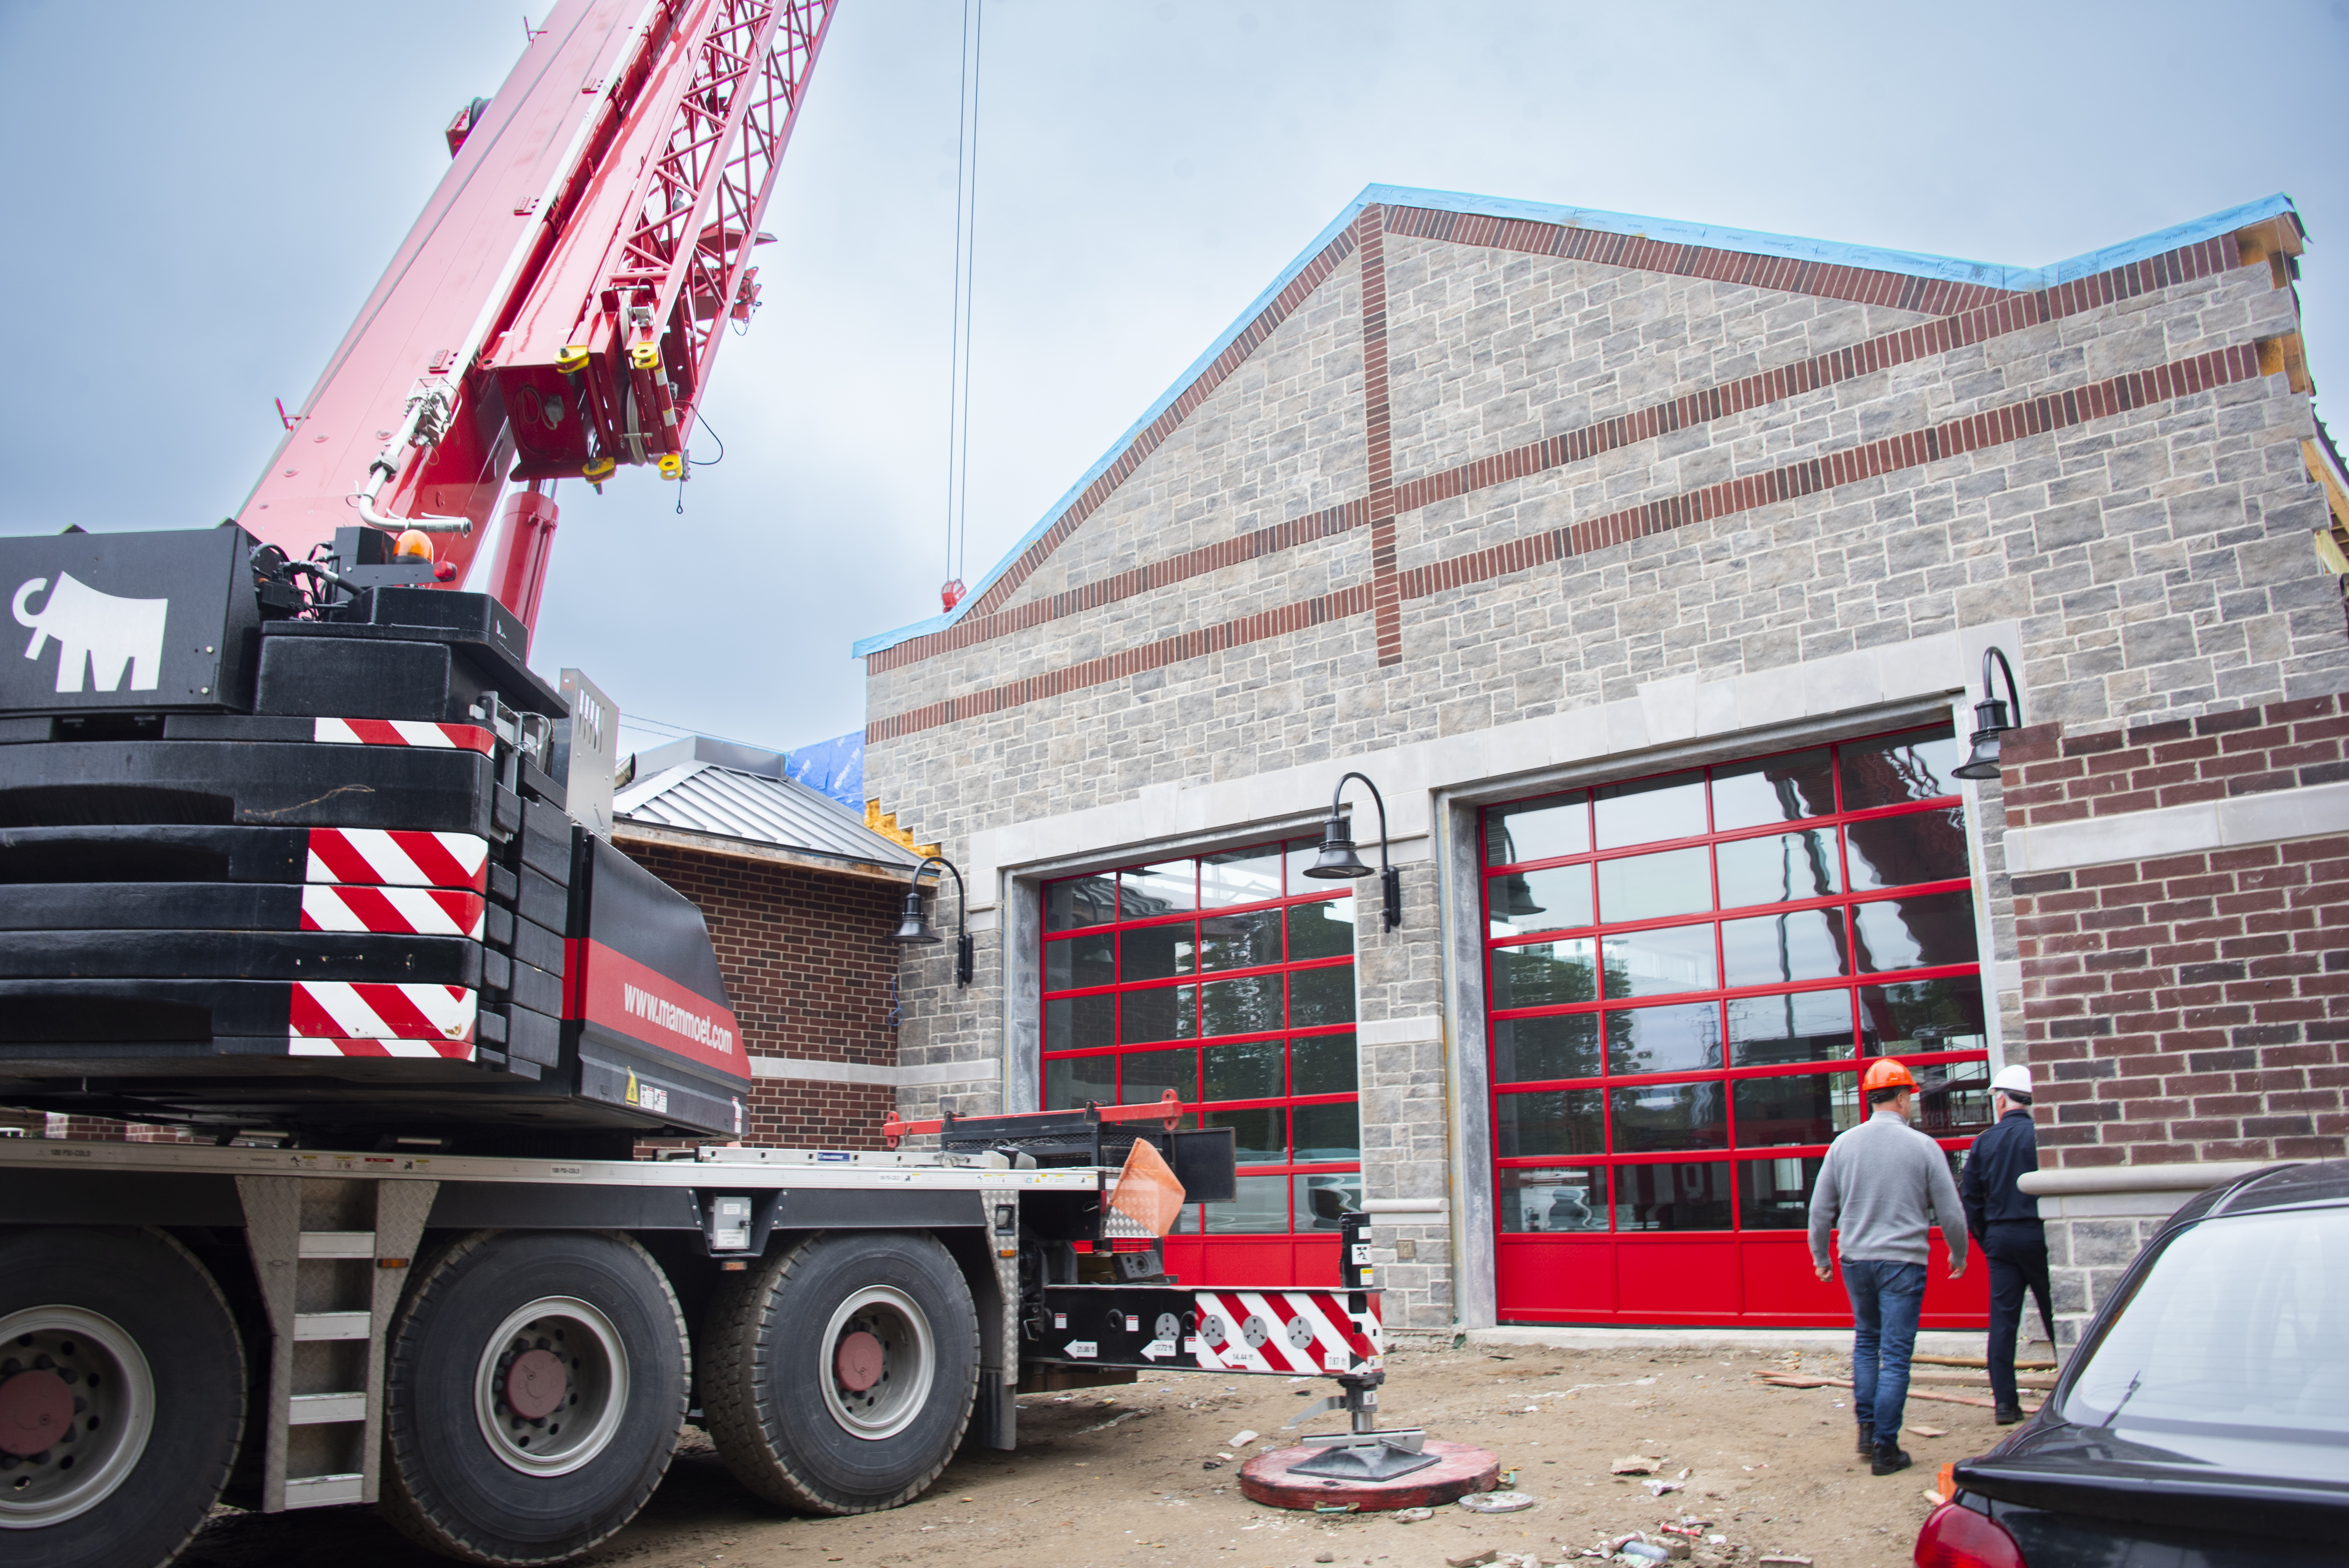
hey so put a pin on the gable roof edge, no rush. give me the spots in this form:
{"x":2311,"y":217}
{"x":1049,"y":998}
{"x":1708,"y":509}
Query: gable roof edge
{"x":1912,"y":264}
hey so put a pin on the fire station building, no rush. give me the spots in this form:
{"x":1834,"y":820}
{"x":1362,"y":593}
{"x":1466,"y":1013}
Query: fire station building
{"x":1647,"y":571}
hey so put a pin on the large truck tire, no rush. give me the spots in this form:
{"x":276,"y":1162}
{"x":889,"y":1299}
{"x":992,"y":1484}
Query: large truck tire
{"x":536,"y":1386}
{"x":838,"y":1377}
{"x":122,"y":1398}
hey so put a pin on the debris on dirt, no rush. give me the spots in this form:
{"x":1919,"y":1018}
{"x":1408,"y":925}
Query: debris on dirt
{"x":1786,"y":1561}
{"x":1413,"y":1515}
{"x":1472,"y":1559}
{"x":1659,"y":1487}
{"x":1325,"y":1557}
{"x":1243,"y":1438}
{"x":1929,"y":1431}
{"x":1637,"y":1464}
{"x":1496,"y":1501}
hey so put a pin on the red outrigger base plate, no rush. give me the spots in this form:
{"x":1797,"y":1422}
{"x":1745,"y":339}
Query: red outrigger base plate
{"x":1460,"y":1469}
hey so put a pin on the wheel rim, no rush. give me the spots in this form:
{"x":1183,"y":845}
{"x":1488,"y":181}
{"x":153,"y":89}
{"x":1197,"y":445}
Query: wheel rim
{"x":879,"y":1361}
{"x":550,"y":1385}
{"x":78,"y":1380}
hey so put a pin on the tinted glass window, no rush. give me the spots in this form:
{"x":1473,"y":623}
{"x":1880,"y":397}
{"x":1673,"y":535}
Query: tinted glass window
{"x":1089,"y":960}
{"x":1669,"y":1040}
{"x":1799,"y":1027}
{"x":1244,"y":1006}
{"x":1261,"y":1135}
{"x":1774,"y":789}
{"x":1080,"y":1023}
{"x":1544,"y":974}
{"x":1321,"y":1064}
{"x":1918,"y":1017}
{"x":1559,"y":825}
{"x":1320,"y":997}
{"x":1776,"y":1194}
{"x":1157,"y":952}
{"x":1917,"y":765}
{"x":1776,"y":949}
{"x":1158,"y":889}
{"x":1071,"y":1082}
{"x":1239,"y":941}
{"x":1913,"y":847}
{"x":1808,"y":1108}
{"x":1248,"y":1071}
{"x":1556,"y":1121}
{"x":1323,"y":930}
{"x":1148,"y":1075}
{"x":1672,"y":1197}
{"x":1161,"y":1013}
{"x":1331,"y":1132}
{"x":1561,"y":1198}
{"x":1653,"y":1118}
{"x":1519,"y":904}
{"x":1243,"y":876}
{"x":1921,"y":933}
{"x":1783,"y":867}
{"x":1659,"y":963}
{"x":1081,"y":900}
{"x":1648,"y":809}
{"x":1651,"y":887}
{"x":1562,"y":1045}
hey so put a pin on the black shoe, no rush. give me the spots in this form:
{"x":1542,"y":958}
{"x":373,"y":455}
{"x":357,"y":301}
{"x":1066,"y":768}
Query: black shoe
{"x":1866,"y":1441}
{"x":1889,"y":1459}
{"x":2007,"y":1415}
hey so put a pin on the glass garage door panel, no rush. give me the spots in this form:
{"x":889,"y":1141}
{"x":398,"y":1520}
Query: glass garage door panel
{"x":1683,"y":977}
{"x":1228,"y":980}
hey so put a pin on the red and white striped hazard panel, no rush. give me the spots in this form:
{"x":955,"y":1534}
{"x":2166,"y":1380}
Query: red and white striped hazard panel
{"x":402,"y":732}
{"x":395,"y":858}
{"x":1293,"y":1331}
{"x":327,"y":1016}
{"x":423,"y":911}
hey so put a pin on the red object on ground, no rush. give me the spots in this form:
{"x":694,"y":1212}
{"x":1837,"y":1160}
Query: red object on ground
{"x":1459,"y":1469}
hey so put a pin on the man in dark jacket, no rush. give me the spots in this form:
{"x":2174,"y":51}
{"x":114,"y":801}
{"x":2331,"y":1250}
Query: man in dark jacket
{"x":2005,"y":1220}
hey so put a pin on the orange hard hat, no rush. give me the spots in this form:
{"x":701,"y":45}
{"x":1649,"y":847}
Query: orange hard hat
{"x":1887,"y":1073}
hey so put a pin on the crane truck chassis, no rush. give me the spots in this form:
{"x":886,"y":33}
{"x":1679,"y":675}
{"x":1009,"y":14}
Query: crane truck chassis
{"x":302,"y":859}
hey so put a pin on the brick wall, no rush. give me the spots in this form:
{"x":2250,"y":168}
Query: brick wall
{"x":2192,"y":1007}
{"x":809,"y":967}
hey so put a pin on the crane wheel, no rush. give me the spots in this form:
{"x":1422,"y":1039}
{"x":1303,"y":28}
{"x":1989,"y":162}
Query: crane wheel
{"x":535,"y":1387}
{"x":122,"y":1398}
{"x":838,"y":1377}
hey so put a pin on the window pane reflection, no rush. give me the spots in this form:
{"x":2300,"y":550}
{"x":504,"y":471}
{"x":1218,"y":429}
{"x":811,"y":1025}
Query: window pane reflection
{"x":1776,"y":1194}
{"x":1774,"y":789}
{"x":1319,"y":997}
{"x":1780,"y":869}
{"x":1089,"y":960}
{"x":1249,"y":1071}
{"x":1544,"y":974}
{"x":1157,"y":952}
{"x":1321,"y":1064}
{"x":1672,"y":1197}
{"x":1239,"y":941}
{"x":1158,"y":890}
{"x":1241,"y":876}
{"x":1080,"y":1023}
{"x":1808,"y":1108}
{"x":1553,"y":1122}
{"x":1650,"y":887}
{"x":1163,"y":1012}
{"x":1327,"y":1131}
{"x":1805,"y":1026}
{"x":1260,"y":1207}
{"x":1324,"y":1199}
{"x":1653,"y":1118}
{"x":1081,"y":900}
{"x":1664,"y":1039}
{"x":1324,"y":929}
{"x":1918,"y":1017}
{"x":1519,"y":904}
{"x":1659,"y":963}
{"x":1648,"y":809}
{"x":1913,"y":847}
{"x":1257,"y":1135}
{"x":1952,"y":1097}
{"x":1807,"y":945}
{"x":1562,"y":1045}
{"x":1146,"y":1075}
{"x":1071,"y":1082}
{"x":1921,"y":932}
{"x":1567,"y":1198}
{"x":1559,"y":825}
{"x":1890,"y":769}
{"x":1244,"y":1006}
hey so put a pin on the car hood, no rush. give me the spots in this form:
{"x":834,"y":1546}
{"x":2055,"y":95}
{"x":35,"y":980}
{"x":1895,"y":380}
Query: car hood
{"x":2227,"y":1478}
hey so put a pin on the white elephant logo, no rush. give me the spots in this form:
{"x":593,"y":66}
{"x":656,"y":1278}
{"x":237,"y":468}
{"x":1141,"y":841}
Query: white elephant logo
{"x":95,"y":631}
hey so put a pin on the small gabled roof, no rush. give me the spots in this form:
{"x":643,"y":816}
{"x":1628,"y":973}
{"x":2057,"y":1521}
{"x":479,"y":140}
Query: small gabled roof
{"x":701,"y":792}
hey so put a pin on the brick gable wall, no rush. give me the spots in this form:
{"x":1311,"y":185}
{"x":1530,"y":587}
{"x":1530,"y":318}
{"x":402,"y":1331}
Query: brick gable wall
{"x":809,"y":967}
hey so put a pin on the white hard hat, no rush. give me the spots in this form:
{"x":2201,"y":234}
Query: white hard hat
{"x":2016,"y":1079}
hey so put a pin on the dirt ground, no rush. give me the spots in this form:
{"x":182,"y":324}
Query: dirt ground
{"x":1117,"y":1476}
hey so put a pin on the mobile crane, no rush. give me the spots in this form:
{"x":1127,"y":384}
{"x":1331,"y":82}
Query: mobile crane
{"x":298,"y":855}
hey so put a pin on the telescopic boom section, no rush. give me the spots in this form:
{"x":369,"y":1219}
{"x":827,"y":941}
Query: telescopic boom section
{"x":555,"y":311}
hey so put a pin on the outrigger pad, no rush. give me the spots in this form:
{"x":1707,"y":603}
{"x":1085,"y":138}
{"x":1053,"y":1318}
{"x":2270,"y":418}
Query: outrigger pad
{"x":1365,"y":1461}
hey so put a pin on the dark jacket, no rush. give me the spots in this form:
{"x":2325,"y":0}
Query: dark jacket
{"x":1999,"y":1156}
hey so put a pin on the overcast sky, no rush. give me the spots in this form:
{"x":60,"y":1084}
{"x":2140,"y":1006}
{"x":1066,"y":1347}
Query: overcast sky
{"x":203,"y":195}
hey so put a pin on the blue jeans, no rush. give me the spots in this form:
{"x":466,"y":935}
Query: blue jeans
{"x":1886,"y":1299}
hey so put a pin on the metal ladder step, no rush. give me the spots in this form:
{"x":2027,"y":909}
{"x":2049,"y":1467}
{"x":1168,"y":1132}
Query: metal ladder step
{"x":319,"y":1410}
{"x":332,"y":1324}
{"x":337,"y":1244}
{"x":325,"y":1491}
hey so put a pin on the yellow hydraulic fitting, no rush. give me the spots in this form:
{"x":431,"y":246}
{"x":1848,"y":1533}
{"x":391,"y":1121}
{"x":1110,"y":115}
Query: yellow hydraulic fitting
{"x":671,"y":465}
{"x":597,"y":470}
{"x":645,"y":356}
{"x":571,"y":358}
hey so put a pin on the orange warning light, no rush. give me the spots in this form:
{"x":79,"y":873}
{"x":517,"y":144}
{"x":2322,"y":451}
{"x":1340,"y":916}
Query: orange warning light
{"x":412,"y":541}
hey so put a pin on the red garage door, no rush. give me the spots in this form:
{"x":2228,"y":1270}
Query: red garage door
{"x":1685,"y":974}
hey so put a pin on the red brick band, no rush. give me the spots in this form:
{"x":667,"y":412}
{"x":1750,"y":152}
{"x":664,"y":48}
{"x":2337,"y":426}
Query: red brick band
{"x":1994,"y":427}
{"x":2004,"y":313}
{"x":1378,"y":438}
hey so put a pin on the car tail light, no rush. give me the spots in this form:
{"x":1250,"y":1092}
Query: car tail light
{"x":1956,"y":1537}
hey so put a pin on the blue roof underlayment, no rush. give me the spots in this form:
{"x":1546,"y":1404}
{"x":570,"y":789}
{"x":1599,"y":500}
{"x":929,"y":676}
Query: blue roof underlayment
{"x":1752,"y":242}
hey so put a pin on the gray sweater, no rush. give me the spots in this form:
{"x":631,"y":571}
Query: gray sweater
{"x":1883,"y":1182}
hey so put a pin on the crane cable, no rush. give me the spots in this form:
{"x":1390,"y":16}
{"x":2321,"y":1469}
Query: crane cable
{"x":957,"y":509}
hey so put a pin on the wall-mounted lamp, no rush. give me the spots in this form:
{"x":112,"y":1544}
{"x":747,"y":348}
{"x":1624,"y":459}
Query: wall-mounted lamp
{"x":912,"y":931}
{"x":1337,"y":860}
{"x":1992,"y":720}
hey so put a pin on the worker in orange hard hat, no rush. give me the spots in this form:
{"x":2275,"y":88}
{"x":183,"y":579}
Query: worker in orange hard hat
{"x":1882,"y":1185}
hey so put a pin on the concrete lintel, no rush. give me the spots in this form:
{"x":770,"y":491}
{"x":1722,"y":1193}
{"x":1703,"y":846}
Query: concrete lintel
{"x":2269,"y":817}
{"x":2186,"y":1176}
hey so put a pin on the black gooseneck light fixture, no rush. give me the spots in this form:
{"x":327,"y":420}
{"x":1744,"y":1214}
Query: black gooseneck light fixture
{"x":1337,"y":862}
{"x":912,"y":931}
{"x":1992,"y":720}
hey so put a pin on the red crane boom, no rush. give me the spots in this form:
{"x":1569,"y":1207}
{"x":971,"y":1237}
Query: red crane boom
{"x":556,"y":309}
